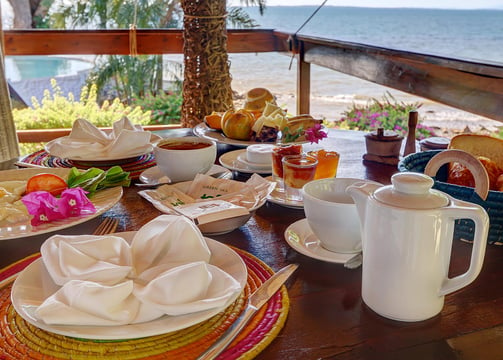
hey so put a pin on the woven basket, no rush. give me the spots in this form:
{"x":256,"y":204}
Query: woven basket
{"x":464,"y":228}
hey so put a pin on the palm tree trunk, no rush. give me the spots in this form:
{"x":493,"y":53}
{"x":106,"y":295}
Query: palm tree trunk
{"x":9,"y":147}
{"x":207,"y":80}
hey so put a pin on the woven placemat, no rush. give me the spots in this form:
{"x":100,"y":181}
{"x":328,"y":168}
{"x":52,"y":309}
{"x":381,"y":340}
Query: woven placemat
{"x":134,"y":166}
{"x":21,"y":340}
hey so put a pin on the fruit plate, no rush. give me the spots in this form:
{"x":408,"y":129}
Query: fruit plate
{"x":102,"y":201}
{"x":204,"y":131}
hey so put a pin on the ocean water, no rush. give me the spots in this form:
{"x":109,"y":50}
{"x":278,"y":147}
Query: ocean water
{"x":466,"y":34}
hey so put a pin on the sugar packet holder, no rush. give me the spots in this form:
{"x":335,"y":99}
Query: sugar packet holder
{"x":207,"y":199}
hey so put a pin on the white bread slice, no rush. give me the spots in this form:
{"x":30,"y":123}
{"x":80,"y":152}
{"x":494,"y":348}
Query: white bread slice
{"x":480,"y":145}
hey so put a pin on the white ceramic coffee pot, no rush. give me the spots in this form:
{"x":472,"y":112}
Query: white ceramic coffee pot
{"x":407,"y":234}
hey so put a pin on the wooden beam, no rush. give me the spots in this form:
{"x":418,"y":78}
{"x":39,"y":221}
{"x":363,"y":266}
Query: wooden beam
{"x":116,"y":42}
{"x":476,"y":88}
{"x":45,"y":135}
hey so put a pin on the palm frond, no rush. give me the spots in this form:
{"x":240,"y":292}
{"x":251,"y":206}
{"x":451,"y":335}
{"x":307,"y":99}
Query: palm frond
{"x":240,"y":19}
{"x":261,"y":4}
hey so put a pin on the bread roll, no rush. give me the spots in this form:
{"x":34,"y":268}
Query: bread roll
{"x":257,"y":99}
{"x":460,"y":175}
{"x":480,"y":145}
{"x":488,"y":150}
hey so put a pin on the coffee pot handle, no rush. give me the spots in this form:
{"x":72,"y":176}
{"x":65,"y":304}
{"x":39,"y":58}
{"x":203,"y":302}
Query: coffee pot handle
{"x":466,"y":210}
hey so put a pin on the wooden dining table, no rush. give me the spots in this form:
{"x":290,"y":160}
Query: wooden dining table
{"x":327,"y":318}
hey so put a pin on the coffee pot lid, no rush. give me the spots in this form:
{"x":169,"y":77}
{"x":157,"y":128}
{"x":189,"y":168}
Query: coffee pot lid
{"x":411,"y":190}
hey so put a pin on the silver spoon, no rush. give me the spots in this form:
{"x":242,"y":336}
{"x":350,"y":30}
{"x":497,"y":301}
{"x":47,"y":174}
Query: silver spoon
{"x":164,"y":180}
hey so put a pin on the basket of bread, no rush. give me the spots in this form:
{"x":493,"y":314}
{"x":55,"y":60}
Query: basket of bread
{"x":262,"y":120}
{"x":471,"y":169}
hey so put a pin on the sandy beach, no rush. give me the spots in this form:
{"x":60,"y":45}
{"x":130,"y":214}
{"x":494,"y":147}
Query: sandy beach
{"x":333,"y":93}
{"x":444,"y":119}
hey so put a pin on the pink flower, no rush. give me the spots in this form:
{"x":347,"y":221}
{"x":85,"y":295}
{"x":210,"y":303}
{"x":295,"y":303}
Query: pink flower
{"x":315,"y":134}
{"x":46,"y":208}
{"x":74,"y":202}
{"x":43,"y":206}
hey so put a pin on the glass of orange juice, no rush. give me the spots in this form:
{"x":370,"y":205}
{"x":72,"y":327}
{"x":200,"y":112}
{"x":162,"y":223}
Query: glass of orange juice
{"x":328,"y":161}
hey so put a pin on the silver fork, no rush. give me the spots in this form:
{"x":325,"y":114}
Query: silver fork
{"x":107,"y":226}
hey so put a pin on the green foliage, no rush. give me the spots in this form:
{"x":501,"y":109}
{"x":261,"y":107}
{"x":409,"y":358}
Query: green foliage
{"x":57,"y":111}
{"x":240,"y":19}
{"x":165,"y":107}
{"x":127,"y":76}
{"x":388,"y":114}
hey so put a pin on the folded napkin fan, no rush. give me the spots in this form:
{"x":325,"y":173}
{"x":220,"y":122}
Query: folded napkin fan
{"x":87,"y":142}
{"x":106,"y":281}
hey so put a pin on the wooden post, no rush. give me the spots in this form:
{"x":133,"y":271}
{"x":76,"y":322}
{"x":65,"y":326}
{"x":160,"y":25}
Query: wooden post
{"x":410,"y":142}
{"x":303,"y":83}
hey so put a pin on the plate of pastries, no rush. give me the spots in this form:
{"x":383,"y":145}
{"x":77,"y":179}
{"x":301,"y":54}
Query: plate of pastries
{"x":259,"y":120}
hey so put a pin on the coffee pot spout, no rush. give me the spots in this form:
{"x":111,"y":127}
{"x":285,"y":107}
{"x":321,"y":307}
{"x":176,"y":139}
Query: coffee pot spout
{"x":360,"y":192}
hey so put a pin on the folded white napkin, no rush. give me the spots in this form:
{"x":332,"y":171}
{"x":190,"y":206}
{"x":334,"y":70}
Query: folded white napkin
{"x":103,"y":259}
{"x":87,"y":142}
{"x":90,"y":303}
{"x":105,"y":281}
{"x":168,"y":240}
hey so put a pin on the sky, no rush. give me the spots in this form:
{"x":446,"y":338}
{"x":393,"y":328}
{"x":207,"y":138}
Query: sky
{"x":444,"y":4}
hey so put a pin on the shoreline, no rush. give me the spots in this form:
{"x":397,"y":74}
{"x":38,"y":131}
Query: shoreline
{"x":445,"y":120}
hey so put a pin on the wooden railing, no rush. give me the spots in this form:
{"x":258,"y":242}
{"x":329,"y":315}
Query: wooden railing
{"x":467,"y":85}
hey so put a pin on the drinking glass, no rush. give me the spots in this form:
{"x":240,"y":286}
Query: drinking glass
{"x":297,"y":171}
{"x":278,"y":152}
{"x":328,"y":161}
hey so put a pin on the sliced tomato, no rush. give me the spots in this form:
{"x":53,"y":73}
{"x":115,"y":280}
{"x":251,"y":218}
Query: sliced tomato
{"x":46,"y":182}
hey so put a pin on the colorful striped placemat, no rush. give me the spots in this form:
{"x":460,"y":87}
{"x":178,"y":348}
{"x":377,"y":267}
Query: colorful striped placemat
{"x":135,"y":166}
{"x":21,"y":340}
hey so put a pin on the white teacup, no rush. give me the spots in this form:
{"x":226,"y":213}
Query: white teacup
{"x":182,"y":158}
{"x":332,"y":214}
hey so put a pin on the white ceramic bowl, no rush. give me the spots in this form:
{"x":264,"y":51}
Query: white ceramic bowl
{"x":332,"y":214}
{"x":185,"y":164}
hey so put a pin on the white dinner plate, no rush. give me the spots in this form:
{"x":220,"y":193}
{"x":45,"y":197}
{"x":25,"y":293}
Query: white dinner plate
{"x":301,"y":238}
{"x":204,"y":131}
{"x":34,"y":285}
{"x":279,"y":198}
{"x":89,"y":160}
{"x":231,"y":160}
{"x":102,"y":201}
{"x":154,"y":175}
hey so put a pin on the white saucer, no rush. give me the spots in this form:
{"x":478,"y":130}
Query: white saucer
{"x":242,"y":158}
{"x":279,"y":198}
{"x":301,"y":238}
{"x":154,"y":174}
{"x":231,"y":161}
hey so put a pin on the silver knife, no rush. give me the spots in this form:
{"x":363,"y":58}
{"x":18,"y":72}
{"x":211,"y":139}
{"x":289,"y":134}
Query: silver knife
{"x":255,"y":302}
